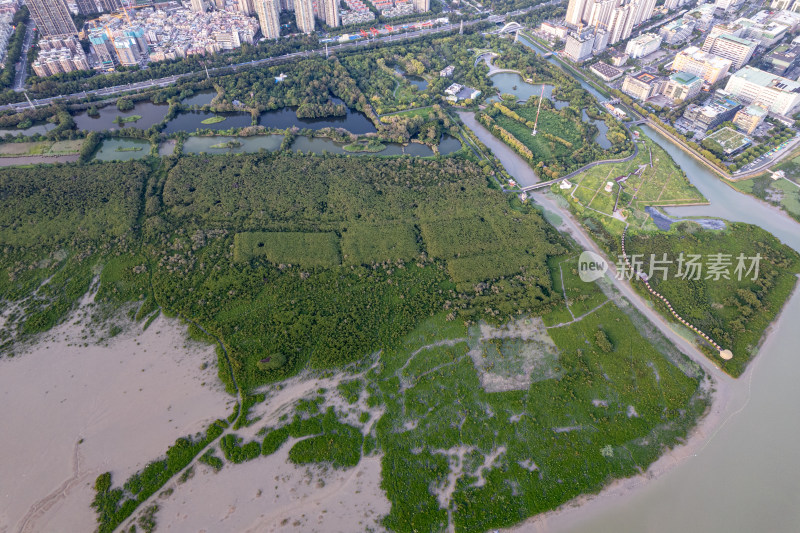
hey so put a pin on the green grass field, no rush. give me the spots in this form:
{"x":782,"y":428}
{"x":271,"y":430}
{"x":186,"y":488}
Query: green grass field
{"x":212,"y":120}
{"x":664,"y":184}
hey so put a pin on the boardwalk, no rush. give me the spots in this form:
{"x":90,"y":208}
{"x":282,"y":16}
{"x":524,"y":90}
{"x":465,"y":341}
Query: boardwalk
{"x":724,"y":354}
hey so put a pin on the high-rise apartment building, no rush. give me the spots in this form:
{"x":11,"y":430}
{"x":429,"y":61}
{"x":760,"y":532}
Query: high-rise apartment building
{"x":304,"y":15}
{"x":621,"y":24}
{"x":330,"y":13}
{"x":52,"y":18}
{"x":247,"y":7}
{"x":422,"y":6}
{"x":575,"y":10}
{"x":110,"y":6}
{"x":103,"y":49}
{"x":268,"y":12}
{"x":86,"y":7}
{"x":643,"y":10}
{"x":617,"y":17}
{"x":198,"y":6}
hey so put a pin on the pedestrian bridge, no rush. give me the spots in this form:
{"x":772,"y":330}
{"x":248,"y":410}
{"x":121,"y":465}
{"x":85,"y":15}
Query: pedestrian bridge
{"x":511,"y":27}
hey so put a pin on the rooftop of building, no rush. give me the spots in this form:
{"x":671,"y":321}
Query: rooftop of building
{"x":717,"y":104}
{"x":733,"y":38}
{"x":698,"y":55}
{"x":755,"y":110}
{"x":766,"y":79}
{"x":684,"y":78}
{"x":646,"y":77}
{"x":676,"y":24}
{"x":645,"y":38}
{"x":606,"y":69}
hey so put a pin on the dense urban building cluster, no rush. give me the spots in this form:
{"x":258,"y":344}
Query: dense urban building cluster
{"x":60,"y":54}
{"x":596,"y":24}
{"x":136,"y":33}
{"x":169,"y":32}
{"x":699,"y":68}
{"x":6,"y":30}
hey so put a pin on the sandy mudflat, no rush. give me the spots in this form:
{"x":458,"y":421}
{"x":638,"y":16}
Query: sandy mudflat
{"x":128,"y":402}
{"x":270,"y":494}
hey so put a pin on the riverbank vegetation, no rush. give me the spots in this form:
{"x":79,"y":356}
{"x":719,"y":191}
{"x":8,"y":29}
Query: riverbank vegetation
{"x":733,"y":307}
{"x":782,"y":192}
{"x":733,"y":312}
{"x":306,"y":262}
{"x":480,"y":427}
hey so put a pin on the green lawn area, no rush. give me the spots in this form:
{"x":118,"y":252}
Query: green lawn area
{"x":213,"y":120}
{"x":664,"y":184}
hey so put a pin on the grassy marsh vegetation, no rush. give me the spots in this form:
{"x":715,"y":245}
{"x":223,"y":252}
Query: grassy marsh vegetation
{"x":734,"y":313}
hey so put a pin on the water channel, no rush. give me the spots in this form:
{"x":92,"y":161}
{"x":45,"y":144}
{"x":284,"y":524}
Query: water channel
{"x":416,"y":81}
{"x":38,"y":128}
{"x":745,"y":477}
{"x":200,"y":98}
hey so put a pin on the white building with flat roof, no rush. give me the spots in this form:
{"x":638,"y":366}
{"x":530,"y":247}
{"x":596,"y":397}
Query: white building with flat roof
{"x":702,"y":64}
{"x":728,"y":5}
{"x":754,"y":86}
{"x":643,"y":45}
{"x":677,"y":31}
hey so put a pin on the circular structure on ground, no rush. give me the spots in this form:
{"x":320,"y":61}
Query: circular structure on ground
{"x":726,"y":354}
